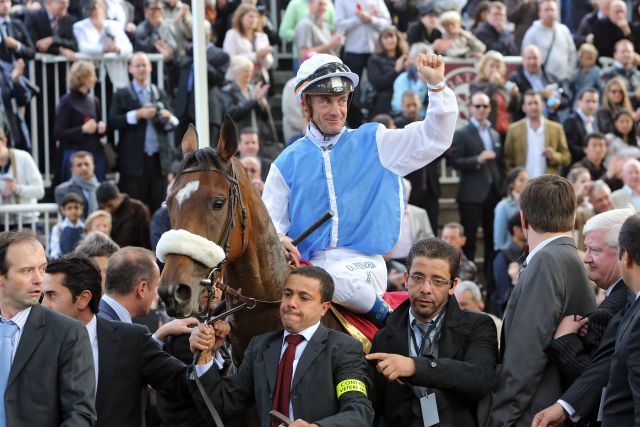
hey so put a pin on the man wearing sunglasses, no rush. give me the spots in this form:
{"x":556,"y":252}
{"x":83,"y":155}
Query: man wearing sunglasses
{"x":354,"y":173}
{"x":475,"y":152}
{"x":432,"y":358}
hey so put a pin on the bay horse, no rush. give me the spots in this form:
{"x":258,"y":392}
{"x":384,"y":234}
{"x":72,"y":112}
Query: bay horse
{"x":212,"y":197}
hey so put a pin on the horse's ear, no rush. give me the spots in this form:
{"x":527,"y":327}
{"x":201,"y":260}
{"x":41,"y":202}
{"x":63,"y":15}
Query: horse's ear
{"x":228,"y":140}
{"x":190,"y":140}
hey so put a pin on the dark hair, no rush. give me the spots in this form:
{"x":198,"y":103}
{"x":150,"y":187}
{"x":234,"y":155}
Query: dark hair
{"x":531,"y":92}
{"x":149,"y":3}
{"x":385,"y":119}
{"x":324,"y":279}
{"x":435,"y":248}
{"x":456,"y":225}
{"x":71,"y":197}
{"x":80,"y":274}
{"x":96,"y":244}
{"x":629,"y":138}
{"x":9,"y":238}
{"x":593,"y":135}
{"x":512,"y":176}
{"x":628,"y":240}
{"x":106,"y":191}
{"x":587,"y":90}
{"x":128,"y":267}
{"x":549,"y":204}
{"x":481,"y":7}
{"x":514,"y":221}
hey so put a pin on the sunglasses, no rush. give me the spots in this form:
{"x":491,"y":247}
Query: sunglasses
{"x":480,"y":106}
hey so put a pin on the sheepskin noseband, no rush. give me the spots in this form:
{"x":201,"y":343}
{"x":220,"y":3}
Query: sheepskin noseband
{"x":183,"y":242}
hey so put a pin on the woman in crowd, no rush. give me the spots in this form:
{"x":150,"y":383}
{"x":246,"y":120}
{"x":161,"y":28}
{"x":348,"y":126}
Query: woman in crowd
{"x":615,"y":98}
{"x":247,"y":38}
{"x":504,"y":95}
{"x":587,"y":72}
{"x":78,"y":124}
{"x":623,"y":134}
{"x":456,"y":42}
{"x":508,"y":206}
{"x":99,"y":220}
{"x":479,"y":15}
{"x":247,"y":104}
{"x":383,"y":67}
{"x":410,"y":79}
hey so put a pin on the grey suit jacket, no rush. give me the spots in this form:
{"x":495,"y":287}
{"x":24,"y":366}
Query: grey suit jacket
{"x":552,"y":286}
{"x":420,"y":225}
{"x":52,"y":381}
{"x":329,"y":358}
{"x":621,"y":199}
{"x":622,"y":398}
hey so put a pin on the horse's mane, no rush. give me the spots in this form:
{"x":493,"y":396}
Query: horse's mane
{"x":204,"y":156}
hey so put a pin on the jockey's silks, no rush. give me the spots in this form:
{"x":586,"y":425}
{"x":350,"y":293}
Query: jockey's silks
{"x":348,"y":178}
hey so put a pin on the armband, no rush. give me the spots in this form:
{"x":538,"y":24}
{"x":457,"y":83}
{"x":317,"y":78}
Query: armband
{"x":350,"y":385}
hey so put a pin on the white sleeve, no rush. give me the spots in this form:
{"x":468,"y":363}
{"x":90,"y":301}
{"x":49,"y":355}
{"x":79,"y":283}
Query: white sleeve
{"x":573,"y":415}
{"x":276,"y":197}
{"x":121,"y":39}
{"x":403,"y":151}
{"x":84,"y":44}
{"x":31,"y":187}
{"x":54,"y":242}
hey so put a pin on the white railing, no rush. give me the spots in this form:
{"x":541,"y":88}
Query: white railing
{"x":41,"y":117}
{"x":39,"y":217}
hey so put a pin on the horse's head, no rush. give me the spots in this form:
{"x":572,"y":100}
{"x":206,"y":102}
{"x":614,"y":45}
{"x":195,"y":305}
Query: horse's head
{"x":208,"y":218}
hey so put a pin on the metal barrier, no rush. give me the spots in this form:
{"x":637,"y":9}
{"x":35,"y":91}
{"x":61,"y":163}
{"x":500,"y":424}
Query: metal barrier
{"x":40,"y":115}
{"x":29,"y":216}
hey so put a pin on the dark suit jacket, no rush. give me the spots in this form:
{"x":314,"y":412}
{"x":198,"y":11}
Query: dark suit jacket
{"x":129,"y":359}
{"x":17,"y":30}
{"x":576,"y":136}
{"x":131,"y":224}
{"x":476,"y":180}
{"x":107,"y":312}
{"x":584,"y":393}
{"x":52,"y":381}
{"x":572,"y":353}
{"x":329,"y":358}
{"x":131,"y":146}
{"x":425,"y":190}
{"x":502,"y":42}
{"x":39,"y":27}
{"x":622,"y":398}
{"x":552,"y":286}
{"x":461,"y":374}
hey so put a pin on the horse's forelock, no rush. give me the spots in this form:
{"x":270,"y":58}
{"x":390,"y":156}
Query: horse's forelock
{"x":206,"y":156}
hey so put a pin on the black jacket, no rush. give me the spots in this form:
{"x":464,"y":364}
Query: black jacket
{"x":39,"y":27}
{"x":502,"y":42}
{"x":462,"y":373}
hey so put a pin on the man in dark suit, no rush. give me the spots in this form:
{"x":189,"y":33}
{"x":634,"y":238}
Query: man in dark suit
{"x":184,"y":106}
{"x":51,"y":29}
{"x":552,"y":285}
{"x":476,"y":153}
{"x":15,"y":42}
{"x":425,"y":184}
{"x":573,"y":353}
{"x":141,"y":113}
{"x":328,"y":384}
{"x":126,"y":356}
{"x":432,"y":346}
{"x":492,"y":33}
{"x":46,"y":376}
{"x":582,"y":123}
{"x":621,"y":407}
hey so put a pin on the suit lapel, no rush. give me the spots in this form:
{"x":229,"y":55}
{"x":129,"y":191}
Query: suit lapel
{"x":29,"y":340}
{"x":453,"y":330}
{"x":272,"y":359}
{"x":108,"y":354}
{"x":628,"y":319}
{"x":311,"y":351}
{"x":396,"y":331}
{"x":476,"y":140}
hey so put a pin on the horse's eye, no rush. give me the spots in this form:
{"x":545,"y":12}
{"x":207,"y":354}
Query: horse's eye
{"x":218,"y":203}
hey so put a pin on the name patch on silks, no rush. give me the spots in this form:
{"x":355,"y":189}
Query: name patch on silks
{"x":350,"y":385}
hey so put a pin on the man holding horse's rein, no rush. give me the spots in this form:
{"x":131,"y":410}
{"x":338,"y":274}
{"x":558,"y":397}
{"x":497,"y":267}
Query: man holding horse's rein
{"x":356,"y":173}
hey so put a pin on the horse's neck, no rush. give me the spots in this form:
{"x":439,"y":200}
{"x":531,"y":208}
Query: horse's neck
{"x":262,"y":266}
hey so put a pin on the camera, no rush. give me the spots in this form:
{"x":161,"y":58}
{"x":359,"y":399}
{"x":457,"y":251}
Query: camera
{"x":158,"y":120}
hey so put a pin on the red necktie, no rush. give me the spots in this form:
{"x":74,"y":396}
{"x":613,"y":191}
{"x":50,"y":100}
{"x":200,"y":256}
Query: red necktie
{"x":285,"y":374}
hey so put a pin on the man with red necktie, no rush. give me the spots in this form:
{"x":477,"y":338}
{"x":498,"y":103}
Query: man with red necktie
{"x":307,"y":372}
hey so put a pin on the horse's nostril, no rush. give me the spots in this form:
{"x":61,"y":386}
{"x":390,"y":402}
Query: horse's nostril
{"x":183,"y":293}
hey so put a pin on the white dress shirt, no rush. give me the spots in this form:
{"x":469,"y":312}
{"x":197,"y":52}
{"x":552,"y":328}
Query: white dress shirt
{"x":92,"y":329}
{"x":536,"y":163}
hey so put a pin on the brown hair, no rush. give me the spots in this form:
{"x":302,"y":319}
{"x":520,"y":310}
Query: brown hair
{"x":401,"y":48}
{"x":236,"y":21}
{"x":626,"y":102}
{"x":9,"y":238}
{"x":549,"y":204}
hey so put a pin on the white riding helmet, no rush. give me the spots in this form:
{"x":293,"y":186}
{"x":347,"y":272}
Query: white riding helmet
{"x":324,"y":74}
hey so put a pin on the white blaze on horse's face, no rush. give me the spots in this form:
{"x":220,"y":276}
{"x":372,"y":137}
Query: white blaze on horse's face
{"x":186,"y":191}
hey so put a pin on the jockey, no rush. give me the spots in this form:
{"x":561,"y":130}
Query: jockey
{"x":357,"y":174}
